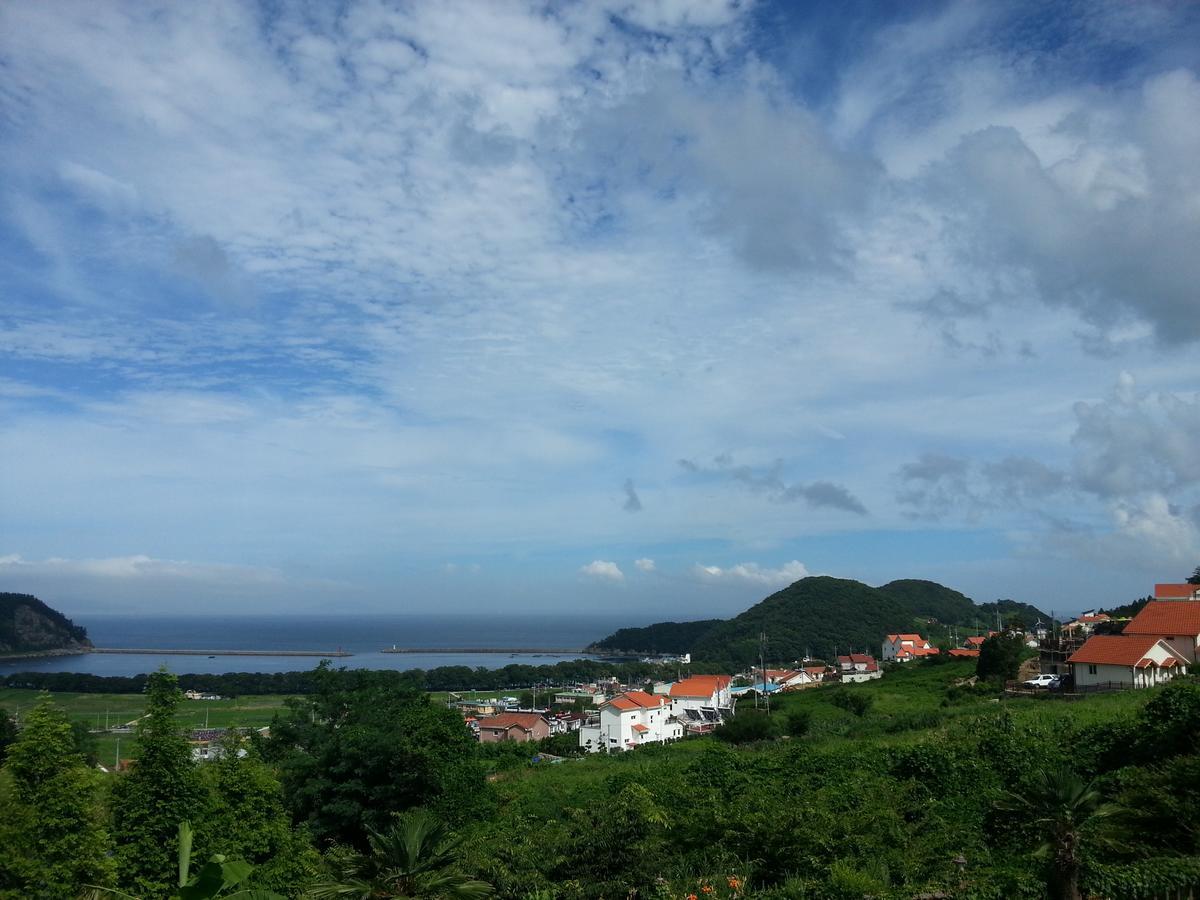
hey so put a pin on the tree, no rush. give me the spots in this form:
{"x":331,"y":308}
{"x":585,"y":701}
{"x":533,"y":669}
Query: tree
{"x":246,"y":819}
{"x":1060,"y":804}
{"x":54,"y":842}
{"x":162,"y":789}
{"x":350,"y":759}
{"x":8,"y":733}
{"x":1194,"y":578}
{"x":1000,"y":657}
{"x":414,"y":858}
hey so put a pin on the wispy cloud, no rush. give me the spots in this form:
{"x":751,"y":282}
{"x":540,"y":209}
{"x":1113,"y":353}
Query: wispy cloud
{"x":753,"y":573}
{"x":603,"y":570}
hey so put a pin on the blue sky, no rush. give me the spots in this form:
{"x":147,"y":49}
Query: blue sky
{"x":644,"y":307}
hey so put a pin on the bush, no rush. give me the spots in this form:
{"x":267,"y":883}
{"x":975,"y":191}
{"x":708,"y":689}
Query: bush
{"x":857,"y":702}
{"x":749,"y":726}
{"x":798,"y":723}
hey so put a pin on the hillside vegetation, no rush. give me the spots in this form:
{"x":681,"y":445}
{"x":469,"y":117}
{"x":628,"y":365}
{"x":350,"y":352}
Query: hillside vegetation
{"x":27,"y":625}
{"x":819,"y":615}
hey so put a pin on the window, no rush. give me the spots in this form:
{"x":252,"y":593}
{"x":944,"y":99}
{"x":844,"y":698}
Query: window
{"x":1091,"y":670}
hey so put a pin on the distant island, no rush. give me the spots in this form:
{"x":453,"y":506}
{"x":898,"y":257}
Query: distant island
{"x":819,"y":615}
{"x":28,"y":627}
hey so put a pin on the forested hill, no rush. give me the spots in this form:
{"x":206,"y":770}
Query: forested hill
{"x":817,"y":615}
{"x":27,"y":625}
{"x":663,"y":637}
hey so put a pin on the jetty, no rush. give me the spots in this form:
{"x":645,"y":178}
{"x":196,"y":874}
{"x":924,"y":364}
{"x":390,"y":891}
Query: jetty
{"x":135,"y":651}
{"x":528,"y":651}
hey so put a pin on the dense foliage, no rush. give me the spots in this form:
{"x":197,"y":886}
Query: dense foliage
{"x":350,"y":759}
{"x":1000,"y":656}
{"x":661,"y":637}
{"x":916,"y":784}
{"x":443,"y":678}
{"x":29,"y":625}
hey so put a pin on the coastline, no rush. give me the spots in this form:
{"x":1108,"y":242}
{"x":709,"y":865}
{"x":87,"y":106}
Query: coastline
{"x":45,"y":654}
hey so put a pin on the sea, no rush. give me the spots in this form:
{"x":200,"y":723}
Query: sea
{"x":542,"y":637}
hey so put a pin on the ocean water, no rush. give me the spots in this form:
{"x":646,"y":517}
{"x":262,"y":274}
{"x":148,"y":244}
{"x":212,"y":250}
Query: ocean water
{"x":363,"y":636}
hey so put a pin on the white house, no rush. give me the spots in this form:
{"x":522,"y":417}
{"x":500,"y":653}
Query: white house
{"x":906,"y":647}
{"x":1128,"y":659}
{"x":631,"y":720}
{"x":858,"y":667}
{"x":1175,"y":621}
{"x":701,"y":692}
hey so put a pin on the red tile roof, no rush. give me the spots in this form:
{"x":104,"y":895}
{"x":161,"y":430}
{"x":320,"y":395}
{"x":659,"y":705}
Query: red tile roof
{"x":1168,"y":618}
{"x":1115,"y":649}
{"x":961,"y":652}
{"x":976,"y":641}
{"x":640,"y":727}
{"x":700,"y":685}
{"x":915,"y":638}
{"x":1175,"y":591}
{"x":637,"y":700}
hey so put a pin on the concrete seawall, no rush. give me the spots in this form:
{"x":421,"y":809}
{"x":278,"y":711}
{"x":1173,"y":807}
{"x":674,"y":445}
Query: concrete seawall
{"x":131,"y":651}
{"x":526,"y":651}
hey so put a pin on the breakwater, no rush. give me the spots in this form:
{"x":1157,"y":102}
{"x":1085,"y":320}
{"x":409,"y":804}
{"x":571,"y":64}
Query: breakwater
{"x":524,"y":651}
{"x":132,"y":651}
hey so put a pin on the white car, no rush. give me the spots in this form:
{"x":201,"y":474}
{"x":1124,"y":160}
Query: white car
{"x":1042,"y":681}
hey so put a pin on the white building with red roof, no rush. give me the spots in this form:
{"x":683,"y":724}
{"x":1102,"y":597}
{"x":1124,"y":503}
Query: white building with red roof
{"x":1129,"y":660}
{"x":906,"y":647}
{"x":701,"y":692}
{"x":631,"y":720}
{"x":1175,"y":621}
{"x":858,"y":667}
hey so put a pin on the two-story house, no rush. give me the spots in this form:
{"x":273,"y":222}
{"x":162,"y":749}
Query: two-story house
{"x":907,"y":647}
{"x":630,"y":720}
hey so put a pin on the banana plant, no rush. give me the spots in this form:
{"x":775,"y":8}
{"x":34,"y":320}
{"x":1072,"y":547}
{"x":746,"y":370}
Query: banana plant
{"x":212,"y":880}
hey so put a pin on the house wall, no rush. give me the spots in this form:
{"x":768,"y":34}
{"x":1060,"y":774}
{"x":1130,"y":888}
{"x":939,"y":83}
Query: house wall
{"x":1084,"y":677}
{"x":1184,"y":645}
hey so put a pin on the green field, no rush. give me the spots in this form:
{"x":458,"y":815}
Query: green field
{"x":101,"y":711}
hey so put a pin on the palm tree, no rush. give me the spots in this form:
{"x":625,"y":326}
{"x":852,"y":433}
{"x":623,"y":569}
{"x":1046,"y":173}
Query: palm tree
{"x":412,"y":859}
{"x":1061,"y":803}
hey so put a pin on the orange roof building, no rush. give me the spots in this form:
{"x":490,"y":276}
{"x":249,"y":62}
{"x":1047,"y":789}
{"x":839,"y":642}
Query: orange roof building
{"x":1177,"y":621}
{"x":1125,"y":660}
{"x":907,"y":647}
{"x":513,"y":727}
{"x":1177,"y":592}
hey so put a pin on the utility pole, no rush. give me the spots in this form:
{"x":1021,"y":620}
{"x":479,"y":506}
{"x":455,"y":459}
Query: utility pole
{"x":762,"y":652}
{"x":117,"y":763}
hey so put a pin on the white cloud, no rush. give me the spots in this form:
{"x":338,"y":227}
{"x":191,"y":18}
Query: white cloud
{"x":755,"y":574}
{"x":644,"y":565}
{"x":603,"y":570}
{"x":138,"y":567}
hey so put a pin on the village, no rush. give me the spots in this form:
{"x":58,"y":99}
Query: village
{"x":1091,"y":653}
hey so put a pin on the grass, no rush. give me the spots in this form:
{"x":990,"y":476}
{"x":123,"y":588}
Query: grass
{"x":95,"y":710}
{"x":908,"y":707}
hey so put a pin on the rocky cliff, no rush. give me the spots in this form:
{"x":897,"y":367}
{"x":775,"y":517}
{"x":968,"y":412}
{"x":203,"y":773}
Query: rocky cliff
{"x":27,"y":625}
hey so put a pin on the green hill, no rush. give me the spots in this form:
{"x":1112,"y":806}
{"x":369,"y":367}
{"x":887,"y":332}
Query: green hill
{"x":27,"y":625}
{"x":818,"y":615}
{"x":663,"y":637}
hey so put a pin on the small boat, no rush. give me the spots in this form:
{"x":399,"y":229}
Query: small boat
{"x":212,"y":657}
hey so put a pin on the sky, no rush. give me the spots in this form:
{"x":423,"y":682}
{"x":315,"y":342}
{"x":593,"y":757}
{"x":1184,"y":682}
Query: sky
{"x":642,"y":308}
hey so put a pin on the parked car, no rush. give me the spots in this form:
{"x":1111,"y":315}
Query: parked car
{"x":1050,"y":682}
